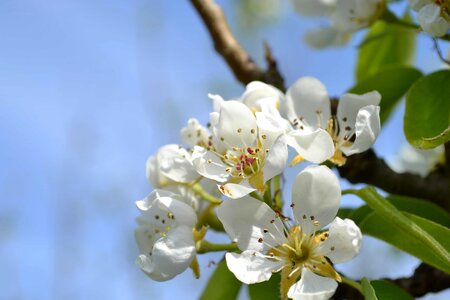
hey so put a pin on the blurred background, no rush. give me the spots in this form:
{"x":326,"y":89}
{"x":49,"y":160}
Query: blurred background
{"x":90,"y":89}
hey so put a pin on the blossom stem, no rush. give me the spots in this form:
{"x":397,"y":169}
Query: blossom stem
{"x":268,"y":194}
{"x":354,"y":284}
{"x":277,"y":192}
{"x":205,"y":247}
{"x":256,"y":196}
{"x":209,"y":218}
{"x":197,"y":189}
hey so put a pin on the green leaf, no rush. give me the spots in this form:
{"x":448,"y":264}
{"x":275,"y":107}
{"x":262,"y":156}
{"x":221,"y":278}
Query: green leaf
{"x":222,"y":285}
{"x":427,"y":111}
{"x":419,"y":207}
{"x":386,"y":290}
{"x":392,"y":82}
{"x":420,"y":237}
{"x":385,"y":45}
{"x":345,"y":212}
{"x":368,"y":290}
{"x":269,"y":290}
{"x":379,"y":227}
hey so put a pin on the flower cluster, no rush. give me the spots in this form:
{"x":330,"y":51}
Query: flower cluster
{"x":433,"y":16}
{"x":234,"y":164}
{"x":346,"y":17}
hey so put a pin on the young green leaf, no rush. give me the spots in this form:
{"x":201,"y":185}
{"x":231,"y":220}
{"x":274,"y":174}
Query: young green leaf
{"x":388,"y":291}
{"x":269,"y":290}
{"x":419,"y":207}
{"x":368,"y":290}
{"x":222,"y":285}
{"x":381,"y":227}
{"x":385,"y":45}
{"x":420,"y":237}
{"x":427,"y":112}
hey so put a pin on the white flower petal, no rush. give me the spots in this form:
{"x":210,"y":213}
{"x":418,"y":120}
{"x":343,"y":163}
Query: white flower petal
{"x":351,"y":15}
{"x":252,"y":223}
{"x":173,"y":253}
{"x":271,"y":126}
{"x":148,"y":267}
{"x":367,"y":130}
{"x":175,"y":163}
{"x":344,"y":238}
{"x":314,"y":7}
{"x":307,"y":103}
{"x":236,"y":190}
{"x":146,"y":203}
{"x":418,"y":4}
{"x":315,"y":146}
{"x":217,"y":101}
{"x":194,"y":133}
{"x":316,"y":196}
{"x":312,"y":287}
{"x":258,"y":93}
{"x":276,"y":159}
{"x":236,"y":124}
{"x":209,"y":165}
{"x":349,"y":106}
{"x":251,"y":266}
{"x":153,"y":174}
{"x":325,"y":37}
{"x":163,"y":208}
{"x":431,"y":21}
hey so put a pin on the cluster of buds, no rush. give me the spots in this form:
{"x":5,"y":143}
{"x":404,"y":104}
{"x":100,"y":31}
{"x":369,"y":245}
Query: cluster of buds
{"x":228,"y":172}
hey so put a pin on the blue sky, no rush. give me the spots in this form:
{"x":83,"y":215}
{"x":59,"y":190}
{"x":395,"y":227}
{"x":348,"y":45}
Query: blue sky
{"x":88,"y":90}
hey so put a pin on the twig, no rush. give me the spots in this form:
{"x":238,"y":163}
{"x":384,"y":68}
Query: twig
{"x":425,"y":279}
{"x":368,"y":168}
{"x":244,"y":68}
{"x":439,"y":52}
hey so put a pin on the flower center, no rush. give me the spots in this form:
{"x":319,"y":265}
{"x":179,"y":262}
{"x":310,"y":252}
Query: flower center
{"x":334,"y":130}
{"x":243,"y":163}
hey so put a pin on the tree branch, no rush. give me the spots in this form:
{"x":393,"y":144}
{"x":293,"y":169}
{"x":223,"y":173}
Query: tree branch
{"x":367,"y":168}
{"x":239,"y":61}
{"x":425,"y":279}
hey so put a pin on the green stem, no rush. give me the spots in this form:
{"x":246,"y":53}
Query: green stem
{"x":197,"y":189}
{"x":389,"y":212}
{"x":268,"y":194}
{"x":354,"y":284}
{"x":277,"y":192}
{"x":205,"y":247}
{"x":256,"y":196}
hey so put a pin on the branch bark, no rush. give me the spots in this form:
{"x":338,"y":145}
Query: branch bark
{"x":425,"y":279}
{"x":367,"y":168}
{"x":244,"y":68}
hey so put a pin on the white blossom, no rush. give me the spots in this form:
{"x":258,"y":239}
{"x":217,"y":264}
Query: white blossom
{"x":243,"y":151}
{"x":321,"y":135}
{"x":345,"y":17}
{"x":433,"y":16}
{"x":171,"y":169}
{"x":164,"y":235}
{"x":271,"y":242}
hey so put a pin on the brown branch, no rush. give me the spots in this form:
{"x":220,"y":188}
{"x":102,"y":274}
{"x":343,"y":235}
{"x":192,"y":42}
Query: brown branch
{"x":239,"y":61}
{"x":425,"y":279}
{"x":367,"y":168}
